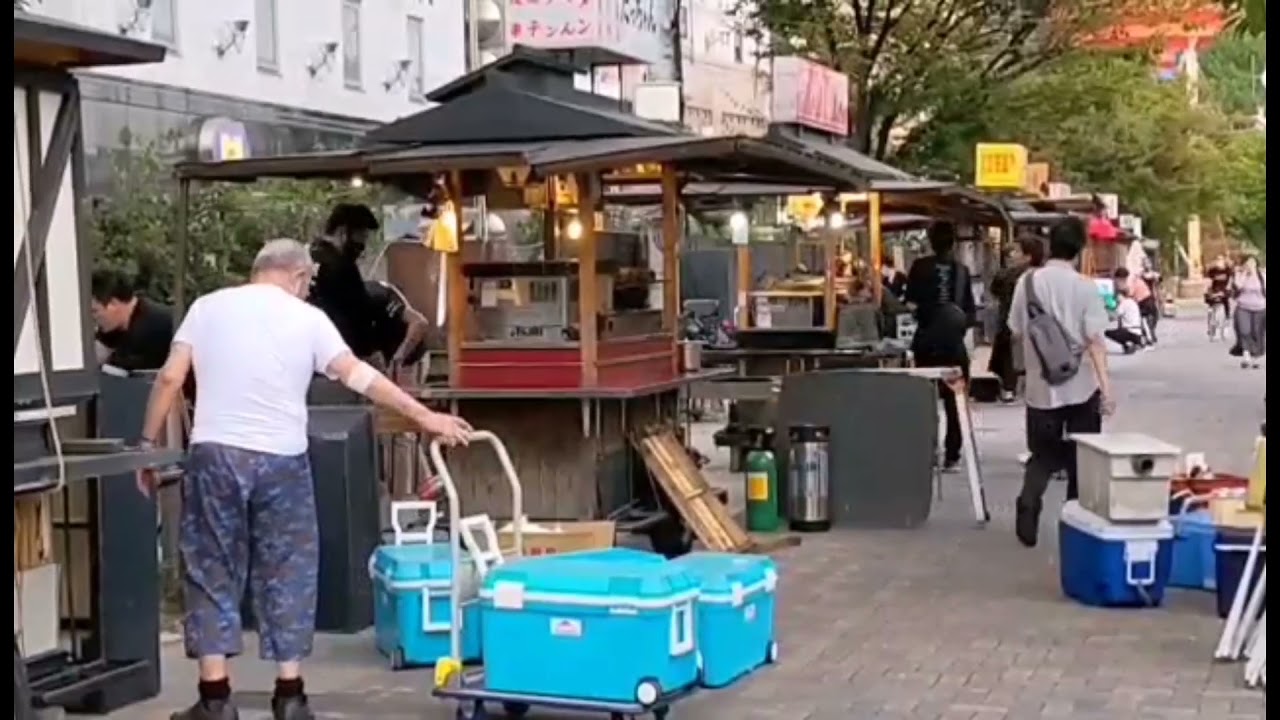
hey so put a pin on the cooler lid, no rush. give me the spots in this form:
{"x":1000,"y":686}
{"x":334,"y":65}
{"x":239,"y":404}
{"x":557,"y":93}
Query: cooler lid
{"x":1093,"y":524}
{"x":414,"y":562}
{"x":719,"y":573}
{"x":566,"y":575}
{"x":1125,"y":444}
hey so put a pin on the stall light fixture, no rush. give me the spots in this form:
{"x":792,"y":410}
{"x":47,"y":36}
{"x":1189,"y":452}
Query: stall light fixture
{"x":738,"y":221}
{"x":357,"y":182}
{"x":835,"y":220}
{"x":573,"y":229}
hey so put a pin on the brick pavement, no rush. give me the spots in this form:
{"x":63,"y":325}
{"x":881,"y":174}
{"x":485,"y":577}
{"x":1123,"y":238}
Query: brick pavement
{"x":946,"y":621}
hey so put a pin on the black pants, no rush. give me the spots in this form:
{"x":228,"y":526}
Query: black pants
{"x":1150,"y":310}
{"x":1051,"y":452}
{"x":953,"y":443}
{"x":1124,"y":336}
{"x":1001,"y":363}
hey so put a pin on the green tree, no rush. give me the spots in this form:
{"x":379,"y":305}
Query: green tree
{"x":1246,"y":173}
{"x":1230,"y":74}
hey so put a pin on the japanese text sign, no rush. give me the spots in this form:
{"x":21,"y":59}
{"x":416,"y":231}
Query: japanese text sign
{"x":806,"y":93}
{"x":1001,"y":166}
{"x":632,"y":29}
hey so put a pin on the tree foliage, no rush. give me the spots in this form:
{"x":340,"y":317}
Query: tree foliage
{"x":135,"y":229}
{"x":1230,"y":72}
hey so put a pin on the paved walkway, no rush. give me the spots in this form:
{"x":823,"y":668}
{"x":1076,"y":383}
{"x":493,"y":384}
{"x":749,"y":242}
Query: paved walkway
{"x":946,"y":621}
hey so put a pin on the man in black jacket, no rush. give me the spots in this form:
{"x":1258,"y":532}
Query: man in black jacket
{"x":940,"y":292}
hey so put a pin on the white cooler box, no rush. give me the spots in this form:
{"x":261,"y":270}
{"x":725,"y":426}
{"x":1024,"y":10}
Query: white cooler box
{"x":1124,"y":477}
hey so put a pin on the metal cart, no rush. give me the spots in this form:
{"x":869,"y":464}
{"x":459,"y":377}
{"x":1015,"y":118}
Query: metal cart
{"x":467,"y":687}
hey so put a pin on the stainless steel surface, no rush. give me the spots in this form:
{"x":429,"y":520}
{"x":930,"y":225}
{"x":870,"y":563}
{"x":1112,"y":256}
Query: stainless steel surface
{"x":691,"y":355}
{"x":809,"y":480}
{"x":519,"y":309}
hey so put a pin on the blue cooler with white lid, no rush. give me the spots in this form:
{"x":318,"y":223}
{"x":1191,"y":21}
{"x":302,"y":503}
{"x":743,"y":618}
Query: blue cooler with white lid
{"x":611,"y":629}
{"x":412,"y":578}
{"x":1106,"y":564}
{"x":736,"y":608}
{"x":1194,"y":564}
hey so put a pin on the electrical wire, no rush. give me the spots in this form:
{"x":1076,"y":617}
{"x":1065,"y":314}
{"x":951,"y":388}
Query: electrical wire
{"x":20,"y":166}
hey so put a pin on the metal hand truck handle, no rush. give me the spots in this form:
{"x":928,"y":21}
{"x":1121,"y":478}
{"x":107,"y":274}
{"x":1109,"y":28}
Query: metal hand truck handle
{"x":455,"y":524}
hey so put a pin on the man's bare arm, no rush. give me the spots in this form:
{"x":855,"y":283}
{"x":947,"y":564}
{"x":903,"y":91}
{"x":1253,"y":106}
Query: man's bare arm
{"x":1097,"y":352}
{"x":417,"y":329}
{"x":380,"y":389}
{"x":167,"y":388}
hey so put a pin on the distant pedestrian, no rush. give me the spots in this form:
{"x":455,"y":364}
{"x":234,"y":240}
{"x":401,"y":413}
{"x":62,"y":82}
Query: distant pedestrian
{"x":1005,"y":362}
{"x":1059,"y":319}
{"x":1249,"y":286}
{"x":940,"y":291}
{"x":248,"y":488}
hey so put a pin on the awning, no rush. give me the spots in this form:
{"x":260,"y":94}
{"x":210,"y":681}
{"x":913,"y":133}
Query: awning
{"x":48,"y":43}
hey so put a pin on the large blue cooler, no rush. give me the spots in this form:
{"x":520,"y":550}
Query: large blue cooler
{"x":610,"y":629}
{"x":411,"y":619}
{"x":1106,"y":564}
{"x":736,"y":608}
{"x":1193,"y":565}
{"x":1231,"y":551}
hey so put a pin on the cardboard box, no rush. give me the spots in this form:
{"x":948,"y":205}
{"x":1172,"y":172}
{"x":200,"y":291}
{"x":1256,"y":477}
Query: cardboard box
{"x":549,"y":538}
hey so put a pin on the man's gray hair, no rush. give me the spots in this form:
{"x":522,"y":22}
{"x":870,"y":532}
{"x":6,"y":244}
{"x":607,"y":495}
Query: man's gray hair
{"x":282,"y":254}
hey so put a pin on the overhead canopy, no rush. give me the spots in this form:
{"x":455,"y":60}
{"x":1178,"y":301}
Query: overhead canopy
{"x":47,"y":43}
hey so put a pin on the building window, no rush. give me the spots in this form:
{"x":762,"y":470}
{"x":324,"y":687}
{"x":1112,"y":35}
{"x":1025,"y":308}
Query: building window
{"x":164,"y":26}
{"x":264,"y":23}
{"x":351,"y":71}
{"x":417,"y":76}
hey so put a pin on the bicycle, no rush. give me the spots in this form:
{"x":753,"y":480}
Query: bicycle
{"x":1217,"y":320}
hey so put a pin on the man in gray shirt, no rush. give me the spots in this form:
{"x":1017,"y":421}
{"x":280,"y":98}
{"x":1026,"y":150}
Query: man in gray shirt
{"x":1077,"y":405}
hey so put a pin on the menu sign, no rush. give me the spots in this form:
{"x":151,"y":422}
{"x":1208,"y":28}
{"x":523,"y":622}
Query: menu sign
{"x":630,"y":29}
{"x":806,"y":93}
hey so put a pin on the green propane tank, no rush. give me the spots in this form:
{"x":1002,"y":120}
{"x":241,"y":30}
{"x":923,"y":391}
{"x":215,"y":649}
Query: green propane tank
{"x":762,"y":491}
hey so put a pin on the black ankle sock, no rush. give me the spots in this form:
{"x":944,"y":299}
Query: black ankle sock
{"x":291,"y":687}
{"x":215,"y":689}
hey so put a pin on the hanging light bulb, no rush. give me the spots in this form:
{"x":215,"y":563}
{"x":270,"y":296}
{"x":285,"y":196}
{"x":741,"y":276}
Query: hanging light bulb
{"x":573,"y":229}
{"x":835,"y":220}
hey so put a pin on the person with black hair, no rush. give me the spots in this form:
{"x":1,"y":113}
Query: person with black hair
{"x":940,"y":292}
{"x":134,"y":333}
{"x":1028,"y":252}
{"x":1066,"y":405}
{"x":893,"y":280}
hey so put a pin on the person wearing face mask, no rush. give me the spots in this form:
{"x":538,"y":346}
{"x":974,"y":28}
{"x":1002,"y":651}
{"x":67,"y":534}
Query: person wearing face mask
{"x":248,"y":491}
{"x":338,"y":288}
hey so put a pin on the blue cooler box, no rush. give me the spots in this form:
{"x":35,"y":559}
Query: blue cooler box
{"x":411,"y":604}
{"x":610,"y":629}
{"x":736,"y":610}
{"x":1231,"y":553}
{"x":1193,"y":565}
{"x":1107,"y":564}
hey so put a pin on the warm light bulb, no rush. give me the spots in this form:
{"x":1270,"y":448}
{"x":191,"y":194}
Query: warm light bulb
{"x":573,"y":229}
{"x":835,"y":220}
{"x":738,"y":221}
{"x":357,"y":182}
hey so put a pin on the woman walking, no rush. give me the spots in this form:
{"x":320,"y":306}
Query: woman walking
{"x":1028,"y":252}
{"x":1249,"y":286}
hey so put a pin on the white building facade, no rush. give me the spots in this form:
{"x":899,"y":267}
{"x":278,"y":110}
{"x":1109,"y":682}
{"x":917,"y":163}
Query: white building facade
{"x":726,"y":81}
{"x":298,"y":74}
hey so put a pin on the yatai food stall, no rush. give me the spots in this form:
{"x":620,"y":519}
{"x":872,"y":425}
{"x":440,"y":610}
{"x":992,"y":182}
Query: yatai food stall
{"x":567,"y":356}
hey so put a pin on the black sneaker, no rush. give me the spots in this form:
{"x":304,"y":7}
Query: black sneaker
{"x":291,"y":708}
{"x":1027,"y":524}
{"x":208,"y":710}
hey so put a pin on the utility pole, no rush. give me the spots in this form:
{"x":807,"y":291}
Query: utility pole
{"x":677,"y":50}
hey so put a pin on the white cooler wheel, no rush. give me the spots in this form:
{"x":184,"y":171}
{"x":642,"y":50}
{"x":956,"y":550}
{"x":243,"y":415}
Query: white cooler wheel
{"x":773,"y":652}
{"x":647,"y":692}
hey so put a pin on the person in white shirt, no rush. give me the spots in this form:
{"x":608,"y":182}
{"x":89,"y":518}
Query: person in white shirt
{"x":248,"y":488}
{"x":1128,"y":330}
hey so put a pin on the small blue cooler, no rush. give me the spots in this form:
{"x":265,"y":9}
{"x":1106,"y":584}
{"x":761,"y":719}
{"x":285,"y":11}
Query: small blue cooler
{"x":411,"y":604}
{"x":735,"y":613}
{"x":610,"y":629}
{"x":1193,"y":564}
{"x":1106,"y":564}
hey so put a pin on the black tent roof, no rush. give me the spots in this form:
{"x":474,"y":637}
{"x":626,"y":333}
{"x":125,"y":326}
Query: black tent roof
{"x":48,"y":43}
{"x":521,"y":61}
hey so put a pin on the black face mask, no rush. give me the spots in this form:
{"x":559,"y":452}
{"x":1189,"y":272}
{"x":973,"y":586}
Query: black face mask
{"x":353,"y":249}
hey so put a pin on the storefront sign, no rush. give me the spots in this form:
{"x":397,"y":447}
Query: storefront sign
{"x":221,"y":139}
{"x":1059,"y":191}
{"x":806,"y":93}
{"x":1111,"y":203}
{"x":1000,"y":166}
{"x":630,"y":29}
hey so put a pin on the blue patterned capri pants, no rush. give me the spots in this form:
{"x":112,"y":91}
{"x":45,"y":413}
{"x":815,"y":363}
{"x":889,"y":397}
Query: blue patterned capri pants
{"x":248,"y":516}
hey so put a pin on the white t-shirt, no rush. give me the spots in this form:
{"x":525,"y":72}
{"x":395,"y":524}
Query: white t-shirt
{"x":1128,"y":315}
{"x":1074,"y":300}
{"x":255,"y":349}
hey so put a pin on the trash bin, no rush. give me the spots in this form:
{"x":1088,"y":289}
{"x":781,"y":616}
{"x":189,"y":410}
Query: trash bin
{"x":809,"y":481}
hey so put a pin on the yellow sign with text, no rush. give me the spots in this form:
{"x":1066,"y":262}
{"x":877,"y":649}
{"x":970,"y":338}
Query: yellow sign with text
{"x":1000,"y":166}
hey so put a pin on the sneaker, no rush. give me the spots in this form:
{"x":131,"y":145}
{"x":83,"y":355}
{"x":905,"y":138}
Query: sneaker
{"x":208,"y":710}
{"x":291,"y":708}
{"x":951,"y":467}
{"x":1027,"y":524}
{"x":1007,"y":397}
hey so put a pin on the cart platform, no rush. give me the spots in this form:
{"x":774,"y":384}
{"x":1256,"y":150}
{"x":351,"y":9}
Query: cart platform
{"x":475,"y":702}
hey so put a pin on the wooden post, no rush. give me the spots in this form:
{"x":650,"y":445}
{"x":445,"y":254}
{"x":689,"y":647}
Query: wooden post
{"x":457,"y":289}
{"x":671,"y":259}
{"x":876,"y":241}
{"x":588,"y":279}
{"x":743,"y":311}
{"x":829,"y":259}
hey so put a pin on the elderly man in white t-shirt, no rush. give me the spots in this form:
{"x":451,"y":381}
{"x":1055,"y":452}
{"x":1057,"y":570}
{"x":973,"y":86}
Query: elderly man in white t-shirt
{"x":248,"y":490}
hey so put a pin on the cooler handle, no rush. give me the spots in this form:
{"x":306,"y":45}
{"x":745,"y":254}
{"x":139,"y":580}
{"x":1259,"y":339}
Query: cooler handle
{"x":487,"y":555}
{"x":681,"y":629}
{"x":400,"y":536}
{"x":1137,"y":553}
{"x":429,"y":625}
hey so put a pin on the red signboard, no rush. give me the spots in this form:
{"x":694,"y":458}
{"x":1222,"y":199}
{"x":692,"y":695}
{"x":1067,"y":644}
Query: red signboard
{"x":806,"y":93}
